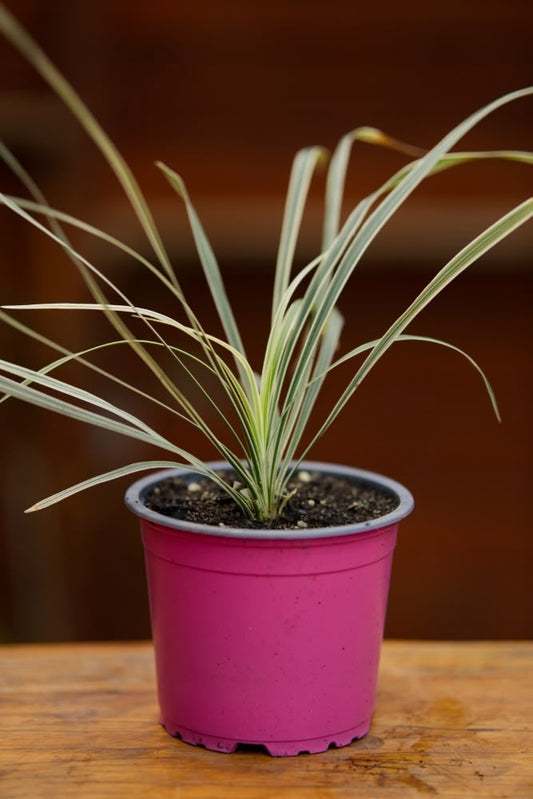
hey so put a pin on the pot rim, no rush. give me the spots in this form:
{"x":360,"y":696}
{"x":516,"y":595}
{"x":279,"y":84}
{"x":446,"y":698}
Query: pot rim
{"x":135,"y":494}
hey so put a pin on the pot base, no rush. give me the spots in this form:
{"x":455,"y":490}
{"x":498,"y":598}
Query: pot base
{"x":275,"y":748}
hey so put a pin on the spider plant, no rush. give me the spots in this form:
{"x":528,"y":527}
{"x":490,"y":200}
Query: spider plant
{"x":266,"y":415}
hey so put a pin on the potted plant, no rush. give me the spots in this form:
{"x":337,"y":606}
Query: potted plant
{"x":268,"y":574}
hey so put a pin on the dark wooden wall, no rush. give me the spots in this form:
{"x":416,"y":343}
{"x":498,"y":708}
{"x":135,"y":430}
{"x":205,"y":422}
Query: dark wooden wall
{"x":225,"y":93}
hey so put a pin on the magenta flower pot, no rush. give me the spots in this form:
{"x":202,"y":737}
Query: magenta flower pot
{"x":268,"y":637}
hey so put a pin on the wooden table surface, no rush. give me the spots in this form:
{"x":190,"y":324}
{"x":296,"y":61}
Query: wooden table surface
{"x":452,"y":719}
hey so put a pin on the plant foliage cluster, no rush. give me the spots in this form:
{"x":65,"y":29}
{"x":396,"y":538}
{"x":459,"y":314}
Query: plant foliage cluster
{"x":271,"y":410}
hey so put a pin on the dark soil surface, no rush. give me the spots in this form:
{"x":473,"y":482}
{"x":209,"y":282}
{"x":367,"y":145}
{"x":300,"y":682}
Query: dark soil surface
{"x":319,"y":501}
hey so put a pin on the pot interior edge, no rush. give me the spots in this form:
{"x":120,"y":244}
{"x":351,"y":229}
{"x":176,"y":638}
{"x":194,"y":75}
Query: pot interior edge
{"x":137,"y":492}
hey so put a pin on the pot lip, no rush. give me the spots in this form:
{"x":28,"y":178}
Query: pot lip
{"x":136,"y":492}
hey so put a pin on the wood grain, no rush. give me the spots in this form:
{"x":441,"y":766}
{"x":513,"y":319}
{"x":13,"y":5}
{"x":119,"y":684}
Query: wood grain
{"x":452,"y":719}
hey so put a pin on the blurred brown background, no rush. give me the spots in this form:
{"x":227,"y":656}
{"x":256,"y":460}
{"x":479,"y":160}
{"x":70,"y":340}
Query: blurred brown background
{"x":225,"y":92}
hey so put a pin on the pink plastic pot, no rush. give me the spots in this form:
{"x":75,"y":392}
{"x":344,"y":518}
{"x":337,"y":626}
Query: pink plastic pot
{"x":268,"y":637}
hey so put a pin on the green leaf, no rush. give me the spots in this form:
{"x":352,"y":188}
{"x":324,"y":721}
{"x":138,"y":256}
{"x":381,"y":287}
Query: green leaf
{"x":339,"y":167}
{"x":39,"y":398}
{"x":304,"y":164}
{"x":123,"y":471}
{"x":211,"y":270}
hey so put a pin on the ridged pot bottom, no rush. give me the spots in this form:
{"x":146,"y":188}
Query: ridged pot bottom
{"x":275,"y":748}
